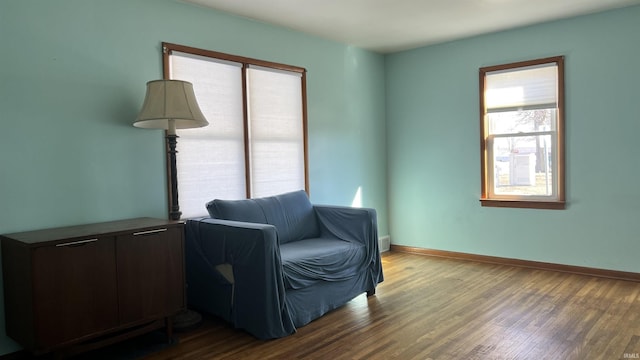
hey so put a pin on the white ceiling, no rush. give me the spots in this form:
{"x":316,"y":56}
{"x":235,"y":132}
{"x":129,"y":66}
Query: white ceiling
{"x":393,"y":25}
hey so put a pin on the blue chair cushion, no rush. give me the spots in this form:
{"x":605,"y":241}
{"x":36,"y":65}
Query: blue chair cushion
{"x":308,"y":261}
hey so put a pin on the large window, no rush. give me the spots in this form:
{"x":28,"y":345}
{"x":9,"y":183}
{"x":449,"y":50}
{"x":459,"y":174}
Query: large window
{"x":521,"y":119}
{"x":255,"y":144}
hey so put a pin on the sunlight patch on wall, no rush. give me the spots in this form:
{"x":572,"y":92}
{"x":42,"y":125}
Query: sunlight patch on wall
{"x":357,"y":199}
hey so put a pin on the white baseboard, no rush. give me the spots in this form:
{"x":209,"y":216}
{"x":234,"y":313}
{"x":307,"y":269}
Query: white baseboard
{"x":384,"y":243}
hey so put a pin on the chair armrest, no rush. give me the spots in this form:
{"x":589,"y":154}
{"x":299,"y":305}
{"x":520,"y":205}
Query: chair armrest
{"x":348,"y":223}
{"x":253,"y":252}
{"x":355,"y":225}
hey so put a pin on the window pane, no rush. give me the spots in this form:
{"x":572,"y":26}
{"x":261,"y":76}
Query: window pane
{"x":523,"y":121}
{"x":523,"y":166}
{"x":277,"y":168}
{"x":210,"y":160}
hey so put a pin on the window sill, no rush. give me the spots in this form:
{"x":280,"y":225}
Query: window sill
{"x":549,"y":205}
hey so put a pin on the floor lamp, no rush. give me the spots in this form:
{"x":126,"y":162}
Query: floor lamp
{"x":171,"y":105}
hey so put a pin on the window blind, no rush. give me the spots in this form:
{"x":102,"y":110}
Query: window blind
{"x":275,"y":131}
{"x":531,"y":88}
{"x":210,"y":160}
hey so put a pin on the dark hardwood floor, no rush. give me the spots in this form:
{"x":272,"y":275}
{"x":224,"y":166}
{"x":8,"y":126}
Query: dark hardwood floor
{"x":435,"y":308}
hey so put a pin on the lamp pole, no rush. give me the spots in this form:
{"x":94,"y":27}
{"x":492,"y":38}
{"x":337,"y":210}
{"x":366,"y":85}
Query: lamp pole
{"x":172,"y":140}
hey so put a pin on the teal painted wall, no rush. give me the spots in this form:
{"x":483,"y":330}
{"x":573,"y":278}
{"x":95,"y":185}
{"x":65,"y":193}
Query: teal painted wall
{"x":72,"y":75}
{"x":72,"y":79}
{"x":434,"y":141}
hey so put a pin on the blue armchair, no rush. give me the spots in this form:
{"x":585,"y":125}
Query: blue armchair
{"x":270,"y":265}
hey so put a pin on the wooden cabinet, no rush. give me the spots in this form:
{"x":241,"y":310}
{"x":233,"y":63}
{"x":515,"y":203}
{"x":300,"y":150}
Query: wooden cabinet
{"x":66,"y":286}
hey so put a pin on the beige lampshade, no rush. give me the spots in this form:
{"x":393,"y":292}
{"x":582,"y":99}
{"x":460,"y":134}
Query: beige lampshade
{"x":170,"y":105}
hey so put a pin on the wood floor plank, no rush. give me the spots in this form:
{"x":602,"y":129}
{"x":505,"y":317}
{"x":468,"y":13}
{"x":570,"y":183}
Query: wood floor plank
{"x":438,"y":308}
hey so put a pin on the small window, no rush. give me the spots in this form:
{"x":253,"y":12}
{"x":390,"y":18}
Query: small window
{"x":522,"y":147}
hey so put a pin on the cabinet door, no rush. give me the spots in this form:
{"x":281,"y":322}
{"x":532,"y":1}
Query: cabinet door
{"x":74,"y":286}
{"x":150,"y":274}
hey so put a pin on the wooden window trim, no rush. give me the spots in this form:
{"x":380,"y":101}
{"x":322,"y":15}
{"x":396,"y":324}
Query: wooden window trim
{"x":550,"y":205}
{"x":169,"y":47}
{"x":558,"y":204}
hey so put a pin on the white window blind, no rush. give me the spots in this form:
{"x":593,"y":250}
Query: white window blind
{"x":528,"y":88}
{"x":275,"y":131}
{"x":210,"y":160}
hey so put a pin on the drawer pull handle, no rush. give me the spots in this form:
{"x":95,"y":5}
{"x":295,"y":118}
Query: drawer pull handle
{"x":77,"y":243}
{"x":149,"y":232}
